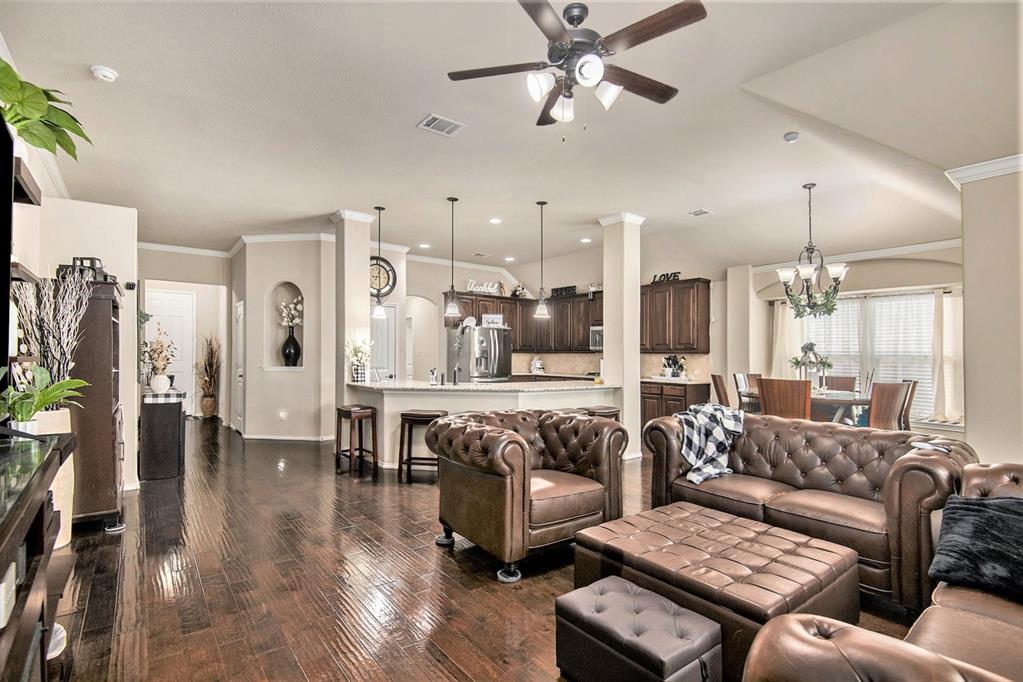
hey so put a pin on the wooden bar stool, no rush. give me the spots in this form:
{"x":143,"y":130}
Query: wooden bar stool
{"x":356,"y":414}
{"x":409,"y":420}
{"x":608,"y":411}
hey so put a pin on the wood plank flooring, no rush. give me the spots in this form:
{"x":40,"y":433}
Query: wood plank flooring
{"x":261,"y":564}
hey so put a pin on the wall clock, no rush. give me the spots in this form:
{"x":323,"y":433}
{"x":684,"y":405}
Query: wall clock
{"x":382,"y":278}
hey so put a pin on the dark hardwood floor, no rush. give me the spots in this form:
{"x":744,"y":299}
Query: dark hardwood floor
{"x":261,"y":564}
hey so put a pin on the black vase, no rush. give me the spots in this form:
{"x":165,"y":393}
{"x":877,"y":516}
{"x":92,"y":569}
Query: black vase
{"x":290,"y":350}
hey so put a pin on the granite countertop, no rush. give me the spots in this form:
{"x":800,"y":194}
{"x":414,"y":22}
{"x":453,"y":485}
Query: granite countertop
{"x":674,"y":380}
{"x":404,"y":385}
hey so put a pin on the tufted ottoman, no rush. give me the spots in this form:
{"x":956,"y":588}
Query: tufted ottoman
{"x":614,"y":630}
{"x":736,"y":571}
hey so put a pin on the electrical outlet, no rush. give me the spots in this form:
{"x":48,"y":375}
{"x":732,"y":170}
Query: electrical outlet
{"x":283,"y":415}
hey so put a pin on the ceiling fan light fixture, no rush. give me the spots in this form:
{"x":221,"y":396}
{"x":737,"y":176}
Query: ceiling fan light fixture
{"x":589,"y":70}
{"x":539,"y":84}
{"x":564,"y":109}
{"x":607,"y":93}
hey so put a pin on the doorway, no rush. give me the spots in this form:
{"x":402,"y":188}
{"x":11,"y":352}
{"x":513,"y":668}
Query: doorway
{"x":173,"y":312}
{"x":238,"y":369}
{"x":383,"y":332}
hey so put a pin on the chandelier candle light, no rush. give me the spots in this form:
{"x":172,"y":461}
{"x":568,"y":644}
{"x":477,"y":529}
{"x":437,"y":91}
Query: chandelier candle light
{"x":541,"y":305}
{"x":451,"y":310}
{"x":378,"y":310}
{"x":813,"y":297}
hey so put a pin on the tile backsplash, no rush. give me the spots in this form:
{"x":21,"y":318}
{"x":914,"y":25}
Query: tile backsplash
{"x":697,"y":366}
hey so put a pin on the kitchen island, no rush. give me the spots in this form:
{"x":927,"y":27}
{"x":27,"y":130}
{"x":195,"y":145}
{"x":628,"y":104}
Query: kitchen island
{"x":391,"y":398}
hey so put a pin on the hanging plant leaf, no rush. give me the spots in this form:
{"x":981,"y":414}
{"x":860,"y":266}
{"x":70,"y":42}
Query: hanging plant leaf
{"x":64,"y":140}
{"x":37,"y":134}
{"x":29,"y":102}
{"x":63,"y":119}
{"x":51,"y":95}
{"x":9,"y":82}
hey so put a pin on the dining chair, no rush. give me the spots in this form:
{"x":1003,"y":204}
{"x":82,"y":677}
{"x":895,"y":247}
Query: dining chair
{"x":909,"y":402}
{"x":789,"y":398}
{"x":840,"y":383}
{"x":720,"y":389}
{"x":747,"y":382}
{"x":887,"y":404}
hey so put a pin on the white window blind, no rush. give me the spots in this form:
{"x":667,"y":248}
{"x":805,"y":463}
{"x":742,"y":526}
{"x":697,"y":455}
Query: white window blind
{"x":838,"y":337}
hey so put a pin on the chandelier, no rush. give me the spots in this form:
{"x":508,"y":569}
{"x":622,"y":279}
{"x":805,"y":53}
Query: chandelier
{"x":807,"y":291}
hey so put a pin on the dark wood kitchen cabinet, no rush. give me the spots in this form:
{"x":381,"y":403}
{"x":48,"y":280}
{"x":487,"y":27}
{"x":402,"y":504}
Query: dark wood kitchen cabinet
{"x":597,"y":309}
{"x":675,"y":317}
{"x":664,"y":399}
{"x":580,"y":323}
{"x":486,"y":306}
{"x":561,"y":321}
{"x":509,"y":309}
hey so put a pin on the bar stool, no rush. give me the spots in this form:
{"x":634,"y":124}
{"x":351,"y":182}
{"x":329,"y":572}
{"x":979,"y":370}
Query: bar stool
{"x":356,"y":414}
{"x":608,"y":411}
{"x":409,"y":420}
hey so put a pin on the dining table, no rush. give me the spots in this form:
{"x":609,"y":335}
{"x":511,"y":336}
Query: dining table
{"x":836,"y":404}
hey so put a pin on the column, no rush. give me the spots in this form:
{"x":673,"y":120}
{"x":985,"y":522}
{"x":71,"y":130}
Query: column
{"x":992,"y":202}
{"x":351,"y":256}
{"x":622,"y":318}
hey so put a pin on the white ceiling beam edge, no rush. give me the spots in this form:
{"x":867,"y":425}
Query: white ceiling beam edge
{"x":985,"y":170}
{"x":892,"y":252}
{"x":256,"y":239}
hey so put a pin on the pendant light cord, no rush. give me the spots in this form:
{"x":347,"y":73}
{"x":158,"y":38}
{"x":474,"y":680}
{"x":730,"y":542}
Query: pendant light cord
{"x":541,"y":204}
{"x":380,"y":229}
{"x":452,"y":200}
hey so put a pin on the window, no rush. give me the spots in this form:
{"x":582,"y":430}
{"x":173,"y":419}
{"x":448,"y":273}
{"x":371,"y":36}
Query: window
{"x":890,"y":335}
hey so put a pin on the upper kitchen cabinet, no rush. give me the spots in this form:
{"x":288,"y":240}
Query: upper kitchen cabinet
{"x":597,"y":309}
{"x":675,"y":317}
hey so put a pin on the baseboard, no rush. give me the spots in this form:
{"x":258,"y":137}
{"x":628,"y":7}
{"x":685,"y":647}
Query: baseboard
{"x":302,"y":439}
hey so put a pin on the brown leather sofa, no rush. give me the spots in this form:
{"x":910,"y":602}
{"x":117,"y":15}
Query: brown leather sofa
{"x":967,"y":634}
{"x":867,"y":489}
{"x":519,"y":481}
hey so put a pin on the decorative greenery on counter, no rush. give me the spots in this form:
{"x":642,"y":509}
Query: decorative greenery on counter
{"x":34,"y":396}
{"x":34,"y":113}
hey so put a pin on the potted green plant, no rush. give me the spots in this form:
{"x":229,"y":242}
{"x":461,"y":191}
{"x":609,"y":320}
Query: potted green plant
{"x":33,"y":112}
{"x":358,"y":353}
{"x":21,"y":403}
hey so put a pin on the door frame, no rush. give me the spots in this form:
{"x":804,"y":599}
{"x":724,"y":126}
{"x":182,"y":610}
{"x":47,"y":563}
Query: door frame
{"x":238,"y":348}
{"x":191,"y":399}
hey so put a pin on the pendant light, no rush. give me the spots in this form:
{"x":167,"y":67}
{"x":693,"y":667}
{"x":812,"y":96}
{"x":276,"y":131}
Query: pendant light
{"x":541,"y":305}
{"x":378,"y":310}
{"x":451,"y":310}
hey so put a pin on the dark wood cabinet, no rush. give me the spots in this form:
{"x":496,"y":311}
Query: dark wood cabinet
{"x":525,"y":326}
{"x":543,"y":332}
{"x":561,"y":323}
{"x":509,"y":309}
{"x":485,"y":306}
{"x":580,"y":324}
{"x":675,"y":317}
{"x":664,"y":400}
{"x":597,"y":309}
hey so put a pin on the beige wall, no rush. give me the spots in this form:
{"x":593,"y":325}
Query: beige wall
{"x":77,"y":228}
{"x":580,"y":269}
{"x":993,"y":316}
{"x":184,"y":267}
{"x":236,"y":416}
{"x":425,"y":316}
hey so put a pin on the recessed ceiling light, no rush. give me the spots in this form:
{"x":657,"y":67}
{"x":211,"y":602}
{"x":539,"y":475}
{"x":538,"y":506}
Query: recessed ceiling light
{"x":103,"y":73}
{"x":585,"y":240}
{"x":509,"y":259}
{"x":424,"y":246}
{"x":495,"y":221}
{"x":791,"y":136}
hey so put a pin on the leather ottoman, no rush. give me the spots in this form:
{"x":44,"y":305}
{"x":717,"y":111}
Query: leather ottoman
{"x":738,"y":572}
{"x":614,"y":630}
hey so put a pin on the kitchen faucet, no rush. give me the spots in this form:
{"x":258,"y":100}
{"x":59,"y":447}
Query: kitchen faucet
{"x":454,"y":374}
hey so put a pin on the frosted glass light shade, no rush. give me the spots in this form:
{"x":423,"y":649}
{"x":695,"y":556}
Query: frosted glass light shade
{"x":607,"y":94}
{"x":837,"y":270}
{"x":589,"y":70}
{"x":539,"y":84}
{"x":451,"y":309}
{"x":786,"y":275}
{"x":541,"y":310}
{"x":379,"y":313}
{"x":806,"y":270}
{"x":563,"y":110}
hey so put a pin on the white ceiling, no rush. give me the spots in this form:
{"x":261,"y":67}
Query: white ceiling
{"x":234,"y":119}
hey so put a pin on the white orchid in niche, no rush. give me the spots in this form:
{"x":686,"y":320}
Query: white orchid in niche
{"x":291,"y":312}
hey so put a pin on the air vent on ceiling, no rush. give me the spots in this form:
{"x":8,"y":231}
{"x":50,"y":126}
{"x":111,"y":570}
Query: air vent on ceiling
{"x":480,"y":254}
{"x":699,"y":212}
{"x":440,"y":125}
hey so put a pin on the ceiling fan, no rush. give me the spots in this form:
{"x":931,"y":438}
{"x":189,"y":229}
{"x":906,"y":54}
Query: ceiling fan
{"x":580,"y":52}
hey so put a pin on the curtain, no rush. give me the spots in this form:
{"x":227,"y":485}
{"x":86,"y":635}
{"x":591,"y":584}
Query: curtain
{"x":947,"y":357}
{"x":786,"y":338}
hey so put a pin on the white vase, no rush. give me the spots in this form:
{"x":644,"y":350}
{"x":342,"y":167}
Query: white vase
{"x":63,"y":486}
{"x":160,"y":383}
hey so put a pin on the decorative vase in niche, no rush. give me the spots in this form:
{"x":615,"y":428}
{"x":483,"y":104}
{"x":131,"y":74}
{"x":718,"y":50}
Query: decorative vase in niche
{"x":208,"y":405}
{"x":160,"y":383}
{"x":291,"y":351}
{"x":359,"y":373}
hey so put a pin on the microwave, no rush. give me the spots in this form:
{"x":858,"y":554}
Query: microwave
{"x":596,"y":338}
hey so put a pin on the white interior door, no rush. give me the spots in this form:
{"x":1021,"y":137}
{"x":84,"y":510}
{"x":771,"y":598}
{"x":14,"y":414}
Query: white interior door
{"x":384,"y":354}
{"x":238,"y":369}
{"x":409,"y":345}
{"x":174,"y":312}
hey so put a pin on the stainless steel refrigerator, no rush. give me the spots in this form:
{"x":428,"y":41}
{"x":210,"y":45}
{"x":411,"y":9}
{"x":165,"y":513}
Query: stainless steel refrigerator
{"x":481,"y":353}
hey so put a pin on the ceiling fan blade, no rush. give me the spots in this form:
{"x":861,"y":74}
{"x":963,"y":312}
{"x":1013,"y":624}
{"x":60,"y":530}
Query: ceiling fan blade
{"x":639,"y":85}
{"x":545,"y":114}
{"x":654,"y":26}
{"x":497,"y":70}
{"x":544,"y":16}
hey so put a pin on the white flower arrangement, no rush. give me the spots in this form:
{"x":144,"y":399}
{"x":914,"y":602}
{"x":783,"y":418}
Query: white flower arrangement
{"x":358,"y":352}
{"x":291,"y":312}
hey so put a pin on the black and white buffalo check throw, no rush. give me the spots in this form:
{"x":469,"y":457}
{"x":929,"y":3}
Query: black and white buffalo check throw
{"x":707,"y":432}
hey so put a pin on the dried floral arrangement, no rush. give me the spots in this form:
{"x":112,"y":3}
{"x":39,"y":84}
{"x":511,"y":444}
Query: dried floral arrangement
{"x":291,"y":312}
{"x":209,"y":366}
{"x":159,"y":352}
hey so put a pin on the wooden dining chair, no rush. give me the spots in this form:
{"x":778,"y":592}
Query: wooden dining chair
{"x":719,"y":388}
{"x":747,"y":382}
{"x":887,"y":404}
{"x":789,"y":398}
{"x":909,"y":403}
{"x":840,"y":383}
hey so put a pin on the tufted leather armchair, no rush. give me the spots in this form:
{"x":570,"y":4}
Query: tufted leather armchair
{"x":518,"y":481}
{"x":966,"y":635}
{"x":867,"y":489}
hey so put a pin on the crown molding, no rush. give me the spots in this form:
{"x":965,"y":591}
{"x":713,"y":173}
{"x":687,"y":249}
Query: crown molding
{"x":236,"y":248}
{"x":433,"y":260}
{"x":384,"y":246}
{"x":984,"y":170}
{"x":344,"y":214}
{"x":892,"y":252}
{"x":188,"y":250}
{"x":627,"y":218}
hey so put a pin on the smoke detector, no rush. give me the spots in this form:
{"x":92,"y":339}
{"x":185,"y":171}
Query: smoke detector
{"x":791,"y":136}
{"x":103,"y":73}
{"x":699,"y":212}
